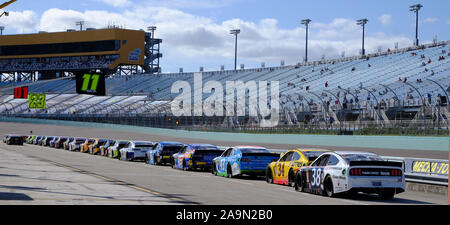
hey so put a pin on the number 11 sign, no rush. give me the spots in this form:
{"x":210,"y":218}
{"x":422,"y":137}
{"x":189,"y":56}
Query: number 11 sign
{"x":91,"y":84}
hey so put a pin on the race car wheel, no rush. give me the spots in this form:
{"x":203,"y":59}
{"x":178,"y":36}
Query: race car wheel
{"x":229,"y":172}
{"x":328,"y":187}
{"x":213,"y":169}
{"x":298,"y":182}
{"x":291,"y":178}
{"x":387,"y":194}
{"x":269,"y":176}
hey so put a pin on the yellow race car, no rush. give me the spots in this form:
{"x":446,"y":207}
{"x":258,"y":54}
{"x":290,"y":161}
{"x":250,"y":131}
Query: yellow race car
{"x":284,"y":170}
{"x":94,"y":149}
{"x":84,"y":147}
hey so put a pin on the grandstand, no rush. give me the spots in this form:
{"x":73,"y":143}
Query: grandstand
{"x":43,"y":56}
{"x":385,"y":89}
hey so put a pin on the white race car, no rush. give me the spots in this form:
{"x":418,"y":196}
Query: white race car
{"x":351,"y":172}
{"x":136,"y":150}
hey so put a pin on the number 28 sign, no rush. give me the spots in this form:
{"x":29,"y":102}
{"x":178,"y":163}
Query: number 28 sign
{"x":37,"y":101}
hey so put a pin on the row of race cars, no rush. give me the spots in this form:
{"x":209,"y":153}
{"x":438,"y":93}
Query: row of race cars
{"x":316,"y":171}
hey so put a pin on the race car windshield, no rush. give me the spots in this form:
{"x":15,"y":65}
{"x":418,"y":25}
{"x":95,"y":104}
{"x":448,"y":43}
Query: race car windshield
{"x":172,"y":148}
{"x":254,"y":150}
{"x":361,"y":157}
{"x":312,"y":155}
{"x":144,"y":146}
{"x":206,"y":148}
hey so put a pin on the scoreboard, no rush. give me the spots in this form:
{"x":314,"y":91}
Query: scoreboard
{"x":21,"y":92}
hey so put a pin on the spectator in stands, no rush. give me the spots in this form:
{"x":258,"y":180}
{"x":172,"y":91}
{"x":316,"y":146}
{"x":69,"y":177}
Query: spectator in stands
{"x":424,"y":64}
{"x":404,"y":81}
{"x":399,"y":79}
{"x":326,"y":84}
{"x":369,"y":65}
{"x":432,"y":72}
{"x":429,"y":61}
{"x":419,"y":81}
{"x":353,"y":69}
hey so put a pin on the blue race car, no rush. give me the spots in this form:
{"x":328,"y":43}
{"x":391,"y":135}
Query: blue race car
{"x":250,"y":160}
{"x":162,"y":153}
{"x":195,"y":156}
{"x":52,"y":142}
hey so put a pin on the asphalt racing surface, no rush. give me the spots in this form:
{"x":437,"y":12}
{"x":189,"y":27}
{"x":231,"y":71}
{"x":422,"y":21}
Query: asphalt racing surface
{"x":139,"y":183}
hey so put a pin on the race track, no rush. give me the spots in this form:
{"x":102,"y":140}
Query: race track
{"x":176,"y":186}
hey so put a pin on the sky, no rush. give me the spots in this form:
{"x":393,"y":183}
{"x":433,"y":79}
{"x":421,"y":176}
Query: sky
{"x":196,"y":34}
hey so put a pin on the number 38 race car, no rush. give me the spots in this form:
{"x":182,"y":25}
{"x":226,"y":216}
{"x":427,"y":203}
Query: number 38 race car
{"x":351,"y":172}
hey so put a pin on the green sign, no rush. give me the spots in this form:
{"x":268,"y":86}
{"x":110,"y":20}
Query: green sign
{"x":37,"y":101}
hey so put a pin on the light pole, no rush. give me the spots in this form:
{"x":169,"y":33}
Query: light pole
{"x":152,"y":29}
{"x":306,"y":23}
{"x":235,"y":33}
{"x":80,"y":23}
{"x":362,"y":22}
{"x":416,"y":8}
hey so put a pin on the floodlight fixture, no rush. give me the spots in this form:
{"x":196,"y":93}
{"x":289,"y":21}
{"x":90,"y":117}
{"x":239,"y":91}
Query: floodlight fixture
{"x":80,"y":23}
{"x":235,"y":32}
{"x":306,"y":23}
{"x":416,"y":8}
{"x":152,"y":30}
{"x":363,"y":22}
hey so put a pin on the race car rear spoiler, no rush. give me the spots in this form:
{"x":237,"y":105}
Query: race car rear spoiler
{"x":376,"y":163}
{"x":261,"y":154}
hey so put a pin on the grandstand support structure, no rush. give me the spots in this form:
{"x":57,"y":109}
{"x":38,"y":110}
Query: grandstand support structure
{"x":420,"y":94}
{"x":440,"y":86}
{"x":152,"y":54}
{"x":393,"y":92}
{"x":7,"y":77}
{"x":376,"y":100}
{"x":127,"y":70}
{"x":26,"y":76}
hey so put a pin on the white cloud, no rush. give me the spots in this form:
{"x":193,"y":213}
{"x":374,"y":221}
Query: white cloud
{"x":430,"y":20}
{"x":189,"y":4}
{"x":116,"y":3}
{"x":198,"y":39}
{"x":20,"y":22}
{"x":385,"y":19}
